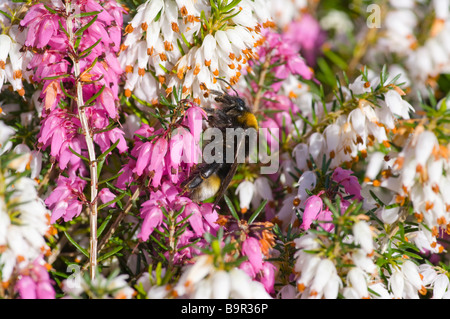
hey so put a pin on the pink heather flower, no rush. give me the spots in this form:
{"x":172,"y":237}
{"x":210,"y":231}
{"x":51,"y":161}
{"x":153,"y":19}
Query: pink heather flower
{"x":326,"y":217}
{"x":143,"y":158}
{"x":44,"y":31}
{"x":167,"y":157}
{"x":36,"y":283}
{"x":248,"y":268}
{"x":307,"y":37}
{"x":98,"y":119}
{"x":350,"y":182}
{"x":191,"y":149}
{"x":64,"y":201}
{"x":267,"y":277}
{"x":280,"y":102}
{"x":156,"y":165}
{"x":284,"y":120}
{"x":107,"y":101}
{"x":176,"y":147}
{"x":201,"y":217}
{"x":252,"y":249}
{"x":193,"y":119}
{"x":210,"y":218}
{"x":106,"y":196}
{"x":270,"y":131}
{"x":42,"y":26}
{"x":152,"y":218}
{"x":313,"y":207}
{"x":282,"y":51}
{"x":195,"y":219}
{"x":60,"y":131}
{"x":126,"y":176}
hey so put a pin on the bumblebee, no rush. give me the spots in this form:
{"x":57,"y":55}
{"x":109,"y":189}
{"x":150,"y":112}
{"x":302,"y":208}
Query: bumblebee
{"x":214,"y":178}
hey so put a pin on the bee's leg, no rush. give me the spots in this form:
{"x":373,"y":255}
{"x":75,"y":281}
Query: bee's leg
{"x":205,"y":173}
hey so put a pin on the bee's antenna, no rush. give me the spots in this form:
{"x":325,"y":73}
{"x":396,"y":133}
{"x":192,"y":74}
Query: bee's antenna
{"x":223,"y":80}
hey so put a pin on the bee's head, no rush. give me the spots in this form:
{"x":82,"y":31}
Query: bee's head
{"x":232,"y":105}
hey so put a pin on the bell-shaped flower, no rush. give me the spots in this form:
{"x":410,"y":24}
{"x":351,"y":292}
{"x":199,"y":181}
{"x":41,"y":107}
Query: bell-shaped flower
{"x":252,"y":249}
{"x":245,"y":190}
{"x":313,"y":207}
{"x":153,"y":216}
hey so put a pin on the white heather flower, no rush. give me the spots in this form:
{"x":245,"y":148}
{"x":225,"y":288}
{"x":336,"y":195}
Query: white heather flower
{"x":291,"y":203}
{"x":325,"y":270}
{"x":263,"y":189}
{"x":441,"y":285}
{"x":397,"y":70}
{"x":332,"y":135}
{"x":113,"y":287}
{"x":423,"y":60}
{"x":411,"y":272}
{"x":147,"y":282}
{"x":22,"y":233}
{"x":316,"y":146}
{"x":19,"y":164}
{"x":221,"y":285}
{"x":350,"y":293}
{"x":359,"y":85}
{"x":399,"y":37}
{"x":331,"y":289}
{"x":363,"y":236}
{"x":363,"y":261}
{"x":242,"y":287}
{"x":429,"y":274}
{"x":389,"y":215}
{"x":425,"y":241}
{"x":285,"y":214}
{"x":286,"y":11}
{"x":406,"y":282}
{"x":397,"y":105}
{"x":420,"y":172}
{"x":338,"y":21}
{"x":5,"y":133}
{"x":375,"y":165}
{"x":307,"y":181}
{"x":358,"y":280}
{"x":203,"y":280}
{"x":202,"y":267}
{"x":306,"y":265}
{"x":245,"y":190}
{"x":397,"y":284}
{"x":426,"y":142}
{"x":13,"y":62}
{"x":379,"y":291}
{"x":5,"y":45}
{"x":301,"y":155}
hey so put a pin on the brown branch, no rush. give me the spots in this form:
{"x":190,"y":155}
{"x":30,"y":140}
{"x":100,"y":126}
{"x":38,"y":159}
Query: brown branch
{"x":119,"y":219}
{"x":262,"y":78}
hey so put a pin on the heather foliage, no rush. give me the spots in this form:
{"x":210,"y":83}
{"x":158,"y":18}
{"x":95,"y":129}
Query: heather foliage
{"x":105,"y":107}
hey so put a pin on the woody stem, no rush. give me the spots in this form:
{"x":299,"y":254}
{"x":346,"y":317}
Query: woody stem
{"x":90,"y":146}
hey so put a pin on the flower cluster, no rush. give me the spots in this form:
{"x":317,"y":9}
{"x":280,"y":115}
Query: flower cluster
{"x":204,"y":281}
{"x":190,"y":45}
{"x":419,"y":40}
{"x":417,"y":171}
{"x":79,"y":60}
{"x":112,"y":287}
{"x":24,"y":226}
{"x":13,"y":60}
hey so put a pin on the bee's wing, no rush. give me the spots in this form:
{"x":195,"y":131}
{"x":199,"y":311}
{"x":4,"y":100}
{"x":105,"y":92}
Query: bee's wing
{"x":230,"y":175}
{"x":225,"y":183}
